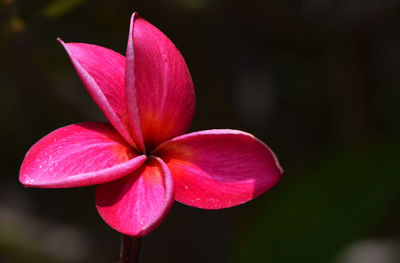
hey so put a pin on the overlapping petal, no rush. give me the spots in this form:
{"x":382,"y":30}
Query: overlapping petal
{"x":219,"y":168}
{"x":102,"y":71}
{"x":136,"y":204}
{"x":158,"y":86}
{"x":149,"y":99}
{"x":78,"y":155}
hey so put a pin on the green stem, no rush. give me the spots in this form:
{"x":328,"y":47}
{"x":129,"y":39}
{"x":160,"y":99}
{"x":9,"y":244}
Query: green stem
{"x":130,"y":249}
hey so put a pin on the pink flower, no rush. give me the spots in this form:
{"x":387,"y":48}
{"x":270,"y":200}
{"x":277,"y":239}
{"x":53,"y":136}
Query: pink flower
{"x":142,"y":162}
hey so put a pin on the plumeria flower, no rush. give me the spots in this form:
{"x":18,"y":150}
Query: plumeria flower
{"x":143,"y":161}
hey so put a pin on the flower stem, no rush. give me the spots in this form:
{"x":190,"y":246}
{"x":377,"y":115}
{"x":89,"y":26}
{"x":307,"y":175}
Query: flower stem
{"x":130,"y":249}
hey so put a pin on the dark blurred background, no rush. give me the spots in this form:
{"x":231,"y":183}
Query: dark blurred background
{"x":317,"y":80}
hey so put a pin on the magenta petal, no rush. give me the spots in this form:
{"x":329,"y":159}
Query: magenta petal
{"x":159,"y":88}
{"x":78,"y":155}
{"x":219,"y":168}
{"x":136,"y":204}
{"x":102,"y":72}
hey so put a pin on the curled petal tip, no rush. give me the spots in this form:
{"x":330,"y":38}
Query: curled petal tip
{"x":135,"y":15}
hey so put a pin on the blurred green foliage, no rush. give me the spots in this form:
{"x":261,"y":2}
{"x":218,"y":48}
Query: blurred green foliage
{"x":58,"y":8}
{"x":339,"y":201}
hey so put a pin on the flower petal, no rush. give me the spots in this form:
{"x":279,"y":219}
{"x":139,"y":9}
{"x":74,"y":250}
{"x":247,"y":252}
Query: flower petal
{"x":102,"y":72}
{"x":219,"y":168}
{"x":78,"y":155}
{"x":136,"y":204}
{"x":158,"y":84}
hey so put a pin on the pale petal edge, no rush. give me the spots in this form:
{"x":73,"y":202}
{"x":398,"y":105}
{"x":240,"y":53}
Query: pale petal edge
{"x":133,"y":112}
